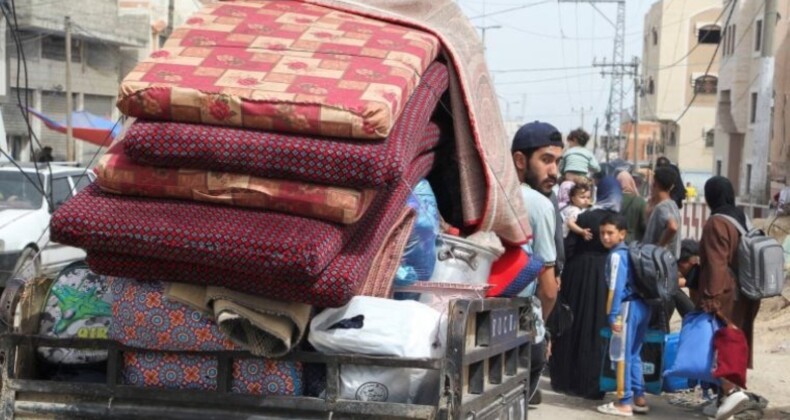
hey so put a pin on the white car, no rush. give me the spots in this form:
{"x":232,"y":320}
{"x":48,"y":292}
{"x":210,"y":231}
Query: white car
{"x":25,"y":248}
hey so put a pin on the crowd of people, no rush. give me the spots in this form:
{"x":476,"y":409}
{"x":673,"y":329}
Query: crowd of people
{"x":584,"y":243}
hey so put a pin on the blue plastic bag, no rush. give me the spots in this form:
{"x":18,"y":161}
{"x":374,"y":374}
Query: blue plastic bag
{"x":419,"y":256}
{"x":673,"y":383}
{"x":695,"y":354}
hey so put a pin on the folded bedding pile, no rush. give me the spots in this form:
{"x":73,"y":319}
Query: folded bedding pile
{"x":265,"y":172}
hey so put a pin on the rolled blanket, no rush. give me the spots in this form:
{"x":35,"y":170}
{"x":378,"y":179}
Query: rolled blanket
{"x":328,"y":161}
{"x":335,"y":286}
{"x":284,"y":66}
{"x":143,"y":318}
{"x":118,"y":174}
{"x":261,"y":326}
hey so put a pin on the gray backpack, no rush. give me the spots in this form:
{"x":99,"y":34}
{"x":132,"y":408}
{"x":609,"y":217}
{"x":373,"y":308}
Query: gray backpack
{"x":760,"y":262}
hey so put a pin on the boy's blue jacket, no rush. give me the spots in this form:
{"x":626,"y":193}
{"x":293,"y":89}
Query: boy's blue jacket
{"x":620,"y":281}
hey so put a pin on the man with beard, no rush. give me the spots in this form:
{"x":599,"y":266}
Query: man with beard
{"x":536,"y":149}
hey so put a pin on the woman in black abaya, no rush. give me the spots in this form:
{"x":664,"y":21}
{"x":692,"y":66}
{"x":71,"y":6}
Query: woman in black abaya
{"x":576,"y":357}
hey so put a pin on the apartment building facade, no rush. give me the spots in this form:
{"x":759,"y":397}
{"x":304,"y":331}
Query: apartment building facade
{"x":679,"y":81}
{"x":747,"y":131}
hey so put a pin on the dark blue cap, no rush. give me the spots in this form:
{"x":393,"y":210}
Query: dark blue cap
{"x":535,"y":135}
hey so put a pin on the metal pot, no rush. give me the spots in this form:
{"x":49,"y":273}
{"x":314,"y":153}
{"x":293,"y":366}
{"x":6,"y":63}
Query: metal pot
{"x":462,"y":261}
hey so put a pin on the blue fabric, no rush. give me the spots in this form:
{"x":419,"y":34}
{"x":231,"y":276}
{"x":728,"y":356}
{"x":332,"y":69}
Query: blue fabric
{"x":673,"y":383}
{"x":419,"y":256}
{"x":526,"y":277}
{"x":609,"y":195}
{"x":636,"y":328}
{"x":695,"y":349}
{"x":619,"y":278}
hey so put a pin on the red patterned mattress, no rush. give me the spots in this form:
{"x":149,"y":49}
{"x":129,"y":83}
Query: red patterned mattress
{"x":118,"y":174}
{"x":335,"y":286}
{"x":284,"y":66}
{"x":271,"y":155}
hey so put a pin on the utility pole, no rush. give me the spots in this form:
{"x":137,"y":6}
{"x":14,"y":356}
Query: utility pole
{"x":618,"y":71}
{"x":616,"y":93}
{"x":70,"y":155}
{"x":170,"y":17}
{"x":595,"y":136}
{"x":582,"y":110}
{"x":483,"y":29}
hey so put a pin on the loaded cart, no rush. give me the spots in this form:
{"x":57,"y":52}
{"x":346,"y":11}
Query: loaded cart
{"x":484,"y":374}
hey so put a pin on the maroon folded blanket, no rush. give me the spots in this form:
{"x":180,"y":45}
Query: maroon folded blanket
{"x":333,"y":287}
{"x":290,"y":156}
{"x":249,"y":240}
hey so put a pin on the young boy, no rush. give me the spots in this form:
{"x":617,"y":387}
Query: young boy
{"x":629,"y":315}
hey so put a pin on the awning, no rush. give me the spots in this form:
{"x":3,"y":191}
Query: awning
{"x":85,"y":126}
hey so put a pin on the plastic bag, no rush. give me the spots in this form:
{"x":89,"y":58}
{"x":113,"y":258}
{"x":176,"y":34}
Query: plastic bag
{"x":695,"y":355}
{"x":382,"y":327}
{"x":419,"y":256}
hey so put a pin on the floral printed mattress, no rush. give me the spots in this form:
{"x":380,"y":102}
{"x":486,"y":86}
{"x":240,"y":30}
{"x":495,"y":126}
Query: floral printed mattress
{"x":281,"y":66}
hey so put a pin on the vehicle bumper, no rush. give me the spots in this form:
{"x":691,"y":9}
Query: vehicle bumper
{"x":8,"y":262}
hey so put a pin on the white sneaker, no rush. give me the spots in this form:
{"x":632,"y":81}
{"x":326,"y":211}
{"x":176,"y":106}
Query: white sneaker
{"x":709,"y":410}
{"x":732,"y":404}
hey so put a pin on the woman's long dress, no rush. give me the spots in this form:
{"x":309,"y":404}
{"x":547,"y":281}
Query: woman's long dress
{"x":575,"y":363}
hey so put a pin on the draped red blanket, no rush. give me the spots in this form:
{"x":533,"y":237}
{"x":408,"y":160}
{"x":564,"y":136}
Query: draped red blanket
{"x":336,"y":162}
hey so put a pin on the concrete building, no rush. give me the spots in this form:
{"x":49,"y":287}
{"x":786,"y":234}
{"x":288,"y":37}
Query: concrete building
{"x":779,"y":157}
{"x":680,"y":39}
{"x":108,"y":38}
{"x":746,"y":132}
{"x":648,"y":144}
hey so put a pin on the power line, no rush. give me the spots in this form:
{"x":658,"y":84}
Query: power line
{"x":499,"y":12}
{"x":542,"y":69}
{"x":544,"y":80}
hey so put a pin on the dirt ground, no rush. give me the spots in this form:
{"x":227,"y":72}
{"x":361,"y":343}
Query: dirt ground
{"x":770,"y":378}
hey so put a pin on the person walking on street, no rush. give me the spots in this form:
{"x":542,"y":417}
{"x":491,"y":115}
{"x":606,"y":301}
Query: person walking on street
{"x":633,"y":208}
{"x":536,"y":149}
{"x":576,"y":357}
{"x":718,"y":287}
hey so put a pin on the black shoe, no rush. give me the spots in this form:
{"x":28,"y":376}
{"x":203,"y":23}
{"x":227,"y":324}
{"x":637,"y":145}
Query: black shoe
{"x":537,"y":398}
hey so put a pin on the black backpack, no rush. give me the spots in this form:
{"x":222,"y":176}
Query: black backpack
{"x":655,"y":272}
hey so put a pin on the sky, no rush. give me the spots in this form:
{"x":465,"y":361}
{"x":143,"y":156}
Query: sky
{"x":563,"y":37}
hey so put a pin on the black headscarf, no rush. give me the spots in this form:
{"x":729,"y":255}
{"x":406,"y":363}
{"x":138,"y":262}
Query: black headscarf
{"x":720,"y":197}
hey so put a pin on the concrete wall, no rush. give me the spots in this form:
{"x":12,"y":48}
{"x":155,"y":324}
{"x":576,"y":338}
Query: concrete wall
{"x":780,"y":144}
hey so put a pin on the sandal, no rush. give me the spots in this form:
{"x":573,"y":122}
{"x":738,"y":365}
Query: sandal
{"x":612,"y":410}
{"x":641,"y":409}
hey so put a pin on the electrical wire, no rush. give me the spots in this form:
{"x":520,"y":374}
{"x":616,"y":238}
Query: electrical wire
{"x":707,"y":70}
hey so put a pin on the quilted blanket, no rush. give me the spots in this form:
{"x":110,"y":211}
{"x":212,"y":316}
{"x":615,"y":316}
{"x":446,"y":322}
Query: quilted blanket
{"x":270,"y":155}
{"x":118,"y":174}
{"x":335,"y":286}
{"x":144,"y":319}
{"x":489,"y":185}
{"x":283,"y":66}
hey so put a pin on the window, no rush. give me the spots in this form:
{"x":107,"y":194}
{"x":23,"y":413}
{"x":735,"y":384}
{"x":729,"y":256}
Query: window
{"x":672,"y":139}
{"x":706,"y":84}
{"x":54,"y":48}
{"x":732,"y":39}
{"x":753,"y":113}
{"x":651,"y":86}
{"x":709,"y":138}
{"x":758,"y":36}
{"x":61,"y":191}
{"x":718,"y":167}
{"x":748,"y":178}
{"x":709,"y":34}
{"x":655,"y":36}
